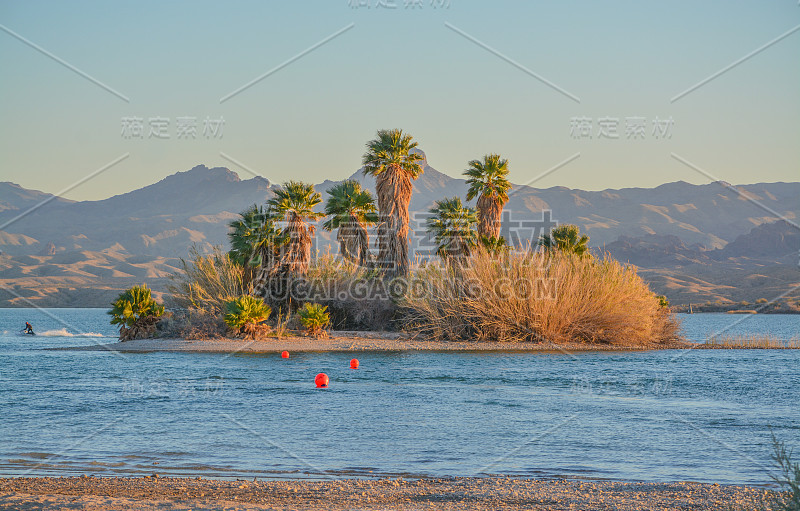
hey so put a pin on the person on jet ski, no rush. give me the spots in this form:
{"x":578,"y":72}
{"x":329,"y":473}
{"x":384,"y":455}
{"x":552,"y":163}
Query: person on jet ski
{"x":28,"y":328}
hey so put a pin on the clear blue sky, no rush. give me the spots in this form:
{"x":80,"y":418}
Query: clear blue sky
{"x":399,"y":68}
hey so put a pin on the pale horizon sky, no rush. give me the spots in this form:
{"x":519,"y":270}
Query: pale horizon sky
{"x":465,"y":78}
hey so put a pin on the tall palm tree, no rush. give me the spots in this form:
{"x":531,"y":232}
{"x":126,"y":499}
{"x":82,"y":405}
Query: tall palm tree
{"x":566,"y":238}
{"x":352,"y":209}
{"x":389,"y":158}
{"x":294,"y":203}
{"x":487,"y":181}
{"x":452,"y":225}
{"x":254,"y":239}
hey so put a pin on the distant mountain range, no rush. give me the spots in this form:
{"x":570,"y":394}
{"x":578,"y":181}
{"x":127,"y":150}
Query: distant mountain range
{"x":776,"y":242}
{"x":57,"y":252}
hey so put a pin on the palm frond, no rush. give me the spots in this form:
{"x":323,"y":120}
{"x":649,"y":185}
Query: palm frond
{"x":487,"y":180}
{"x":452,"y":227}
{"x":392,"y":148}
{"x":566,"y":238}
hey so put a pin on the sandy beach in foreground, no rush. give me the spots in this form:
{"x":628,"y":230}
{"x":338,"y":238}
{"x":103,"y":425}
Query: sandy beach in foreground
{"x":351,"y":341}
{"x":151,"y":493}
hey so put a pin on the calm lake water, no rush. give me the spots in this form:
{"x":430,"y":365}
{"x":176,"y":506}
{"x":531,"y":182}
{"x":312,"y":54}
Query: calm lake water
{"x":701,"y":415}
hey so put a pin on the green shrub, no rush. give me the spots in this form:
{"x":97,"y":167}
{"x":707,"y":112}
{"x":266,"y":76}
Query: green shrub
{"x":314,"y":318}
{"x":246,"y":314}
{"x":788,"y":479}
{"x":495,"y":245}
{"x":662,"y":301}
{"x":136,"y":313}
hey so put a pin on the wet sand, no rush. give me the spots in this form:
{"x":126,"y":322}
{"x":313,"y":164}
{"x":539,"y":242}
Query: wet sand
{"x":150,"y":493}
{"x":352,"y":341}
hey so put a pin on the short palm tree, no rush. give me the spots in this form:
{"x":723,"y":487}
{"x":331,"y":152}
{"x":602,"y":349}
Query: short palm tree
{"x":136,"y":313}
{"x":494,"y":246}
{"x":487,"y":181}
{"x":566,"y":238}
{"x":254,"y":239}
{"x":452,"y":225}
{"x":351,"y":209}
{"x":390,"y":159}
{"x":294,"y":203}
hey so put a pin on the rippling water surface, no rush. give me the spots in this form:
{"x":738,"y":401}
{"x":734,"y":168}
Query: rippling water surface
{"x":702,"y":415}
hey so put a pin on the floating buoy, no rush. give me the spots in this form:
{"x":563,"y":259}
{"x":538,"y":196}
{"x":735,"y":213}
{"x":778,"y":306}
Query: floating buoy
{"x":321,"y":380}
{"x":354,"y":364}
{"x":285,"y":354}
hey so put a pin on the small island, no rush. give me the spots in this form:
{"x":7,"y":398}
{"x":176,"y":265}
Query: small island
{"x":475,"y":291}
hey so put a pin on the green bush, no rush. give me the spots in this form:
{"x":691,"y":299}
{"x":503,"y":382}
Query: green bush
{"x":662,"y":301}
{"x":788,"y":479}
{"x":246,"y":314}
{"x":136,"y":313}
{"x":314,"y":318}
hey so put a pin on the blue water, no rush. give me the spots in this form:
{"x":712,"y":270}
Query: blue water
{"x":701,"y":415}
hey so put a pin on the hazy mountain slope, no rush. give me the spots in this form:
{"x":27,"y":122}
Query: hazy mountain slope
{"x":51,"y":252}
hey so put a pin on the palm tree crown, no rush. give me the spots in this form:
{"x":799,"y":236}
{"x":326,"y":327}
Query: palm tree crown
{"x":351,"y":209}
{"x":487,"y":181}
{"x":566,"y":238}
{"x":295,"y":199}
{"x":294,"y":203}
{"x":254,"y":238}
{"x":390,"y":159}
{"x":391,"y":150}
{"x":452,"y":225}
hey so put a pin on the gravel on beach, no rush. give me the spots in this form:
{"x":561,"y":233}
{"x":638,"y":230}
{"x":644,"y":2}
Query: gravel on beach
{"x":168,"y":493}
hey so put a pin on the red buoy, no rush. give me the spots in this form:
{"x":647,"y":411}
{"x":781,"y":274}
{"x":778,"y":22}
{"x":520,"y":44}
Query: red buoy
{"x":354,"y":364}
{"x":285,"y":354}
{"x":321,"y":380}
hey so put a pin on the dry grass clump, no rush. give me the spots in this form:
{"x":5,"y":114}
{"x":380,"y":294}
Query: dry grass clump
{"x":753,"y":342}
{"x":201,"y":291}
{"x":207,"y":282}
{"x":559,"y":298}
{"x":356,"y":296}
{"x":192,"y":324}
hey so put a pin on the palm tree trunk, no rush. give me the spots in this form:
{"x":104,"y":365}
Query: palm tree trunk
{"x":346,"y":242}
{"x":393,"y":188}
{"x":353,"y":241}
{"x":296,"y":255}
{"x":489,"y":212}
{"x":363,"y":245}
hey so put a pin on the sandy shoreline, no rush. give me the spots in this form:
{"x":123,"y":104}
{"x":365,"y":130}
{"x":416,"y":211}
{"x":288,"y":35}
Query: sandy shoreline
{"x":350,"y":341}
{"x":93,"y":493}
